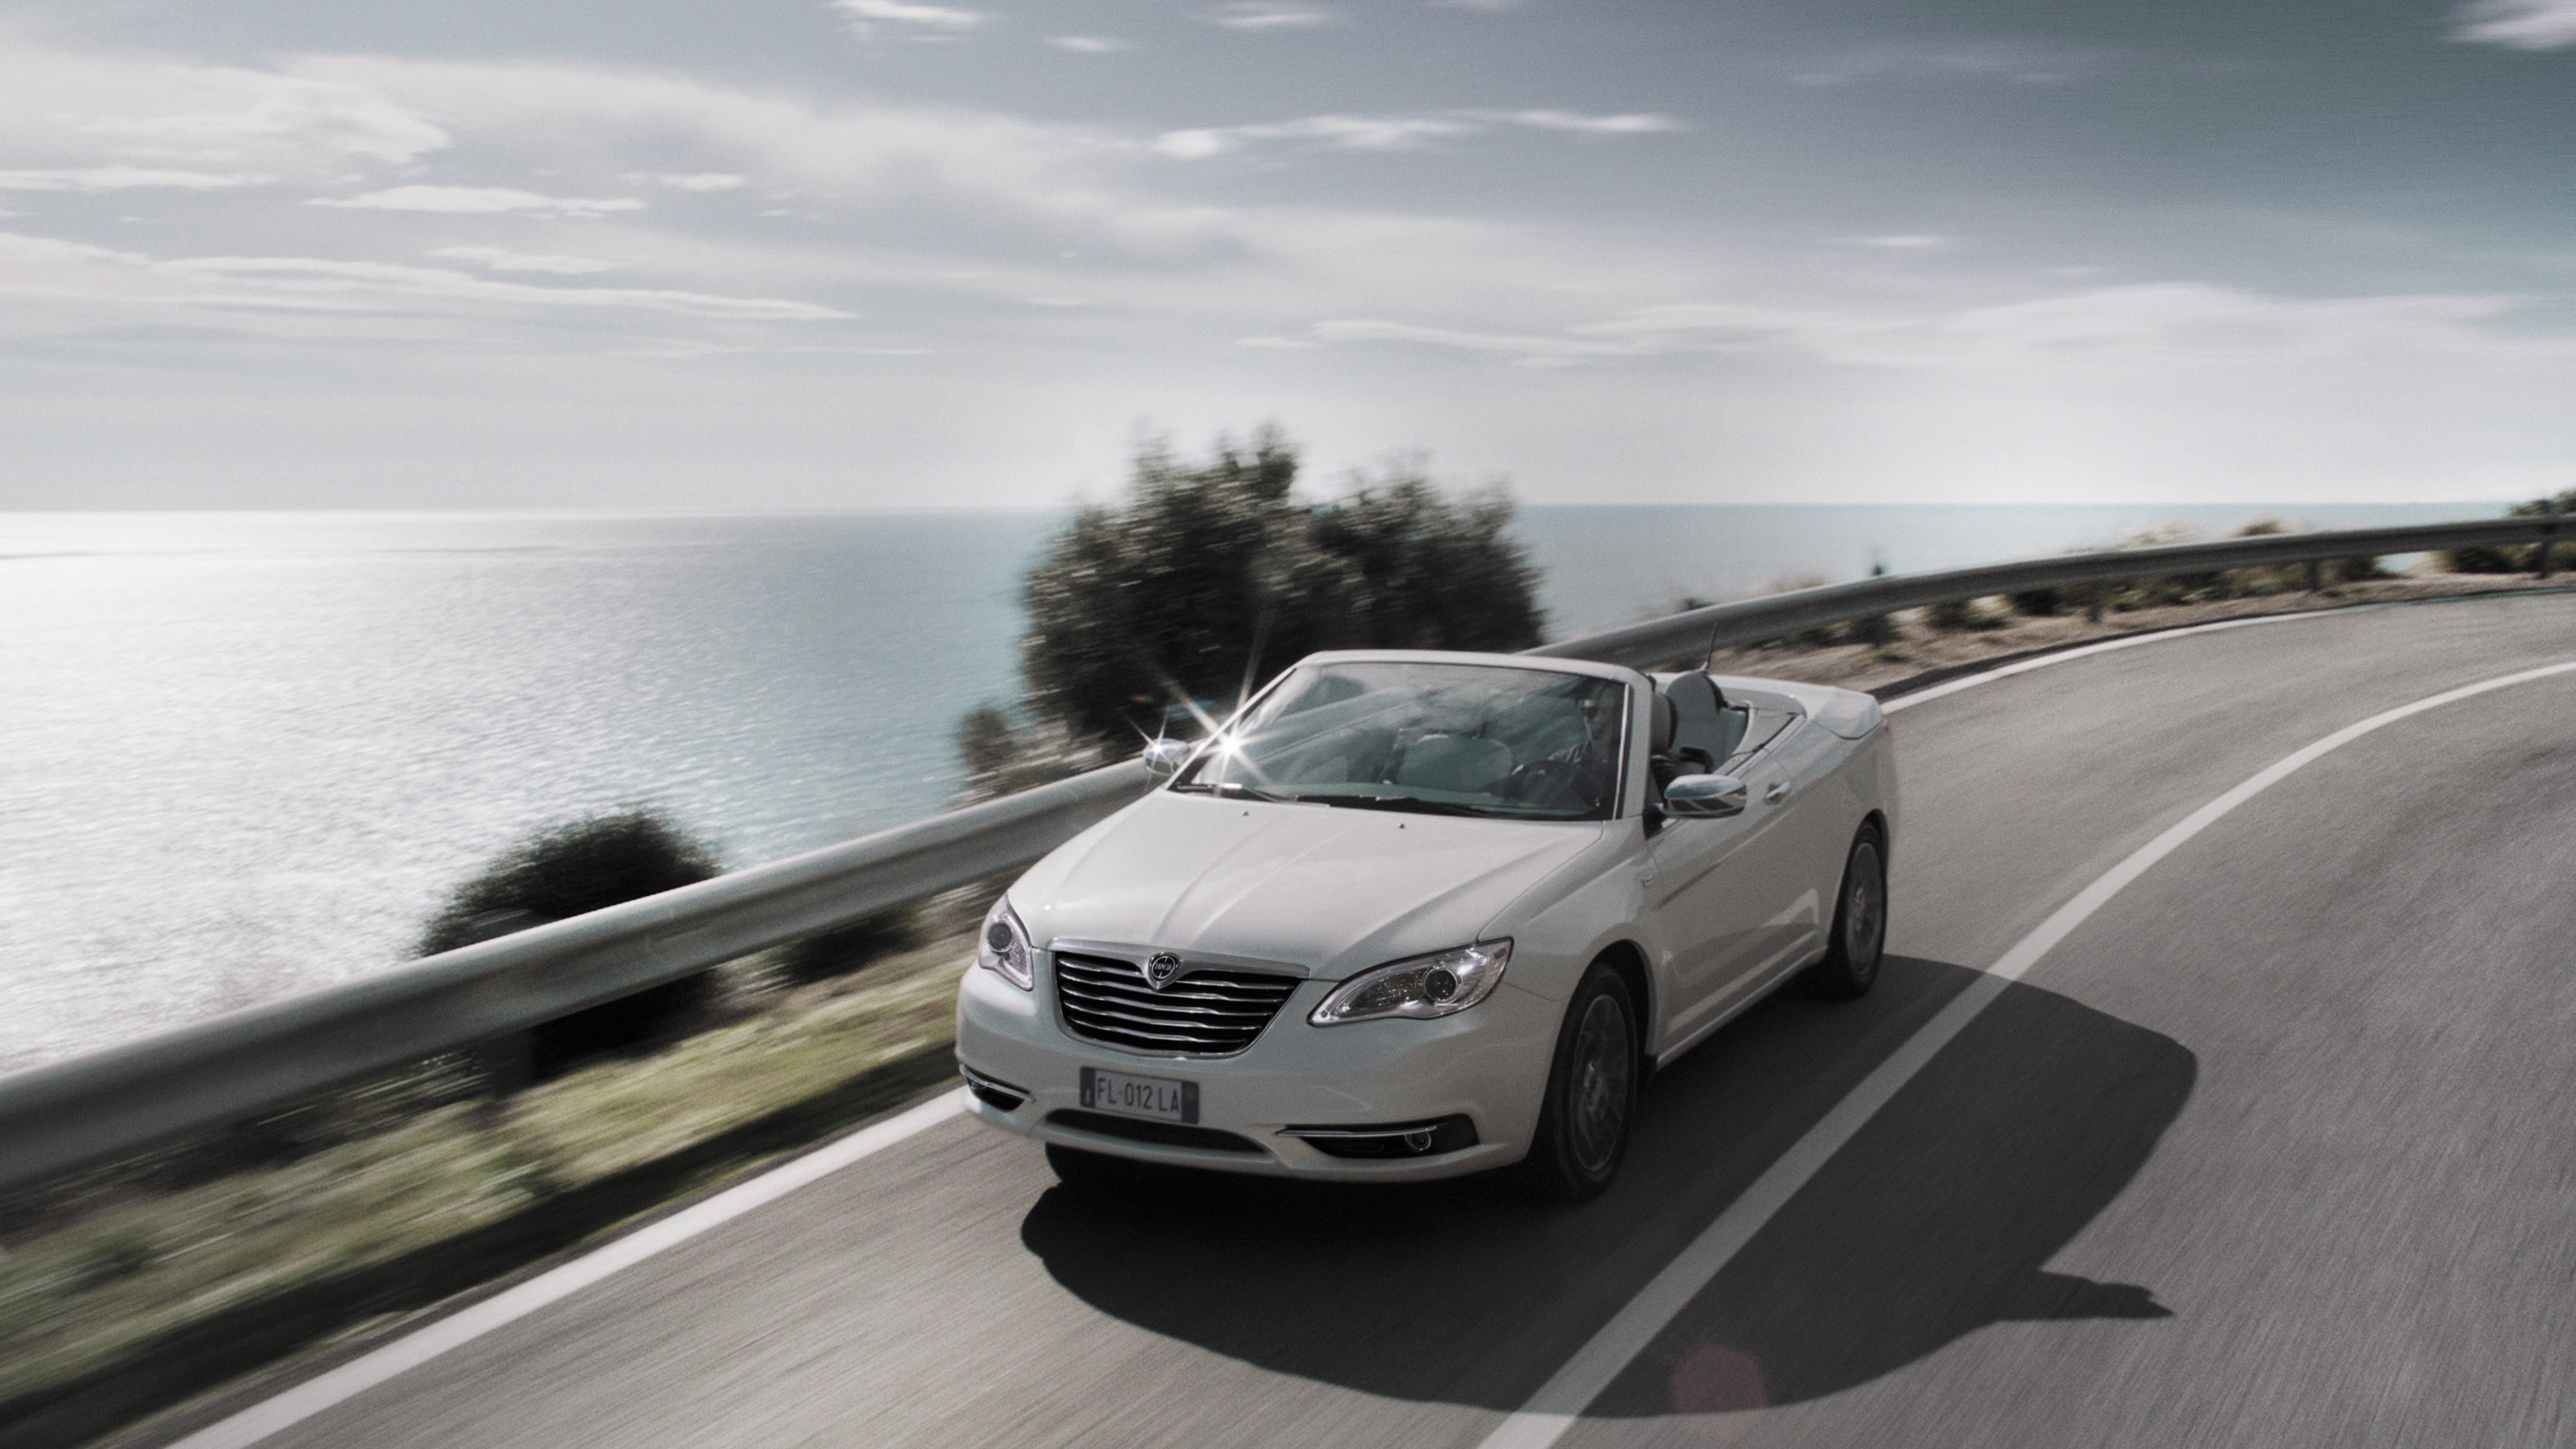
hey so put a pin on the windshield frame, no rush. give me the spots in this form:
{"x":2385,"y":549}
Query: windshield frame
{"x":1616,"y":806}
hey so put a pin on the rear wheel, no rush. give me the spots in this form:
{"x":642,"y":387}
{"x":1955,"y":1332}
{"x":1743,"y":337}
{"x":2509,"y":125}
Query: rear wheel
{"x":1859,"y":937}
{"x":1591,"y":1093}
{"x":1090,"y":1172}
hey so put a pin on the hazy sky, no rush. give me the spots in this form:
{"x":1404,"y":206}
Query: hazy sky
{"x":802,"y":253}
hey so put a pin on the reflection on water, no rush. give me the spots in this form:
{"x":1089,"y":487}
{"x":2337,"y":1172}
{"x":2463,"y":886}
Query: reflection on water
{"x":246,"y":755}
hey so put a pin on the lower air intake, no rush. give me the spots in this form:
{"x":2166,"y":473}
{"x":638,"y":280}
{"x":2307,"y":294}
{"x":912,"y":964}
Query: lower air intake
{"x":1161,"y":1134}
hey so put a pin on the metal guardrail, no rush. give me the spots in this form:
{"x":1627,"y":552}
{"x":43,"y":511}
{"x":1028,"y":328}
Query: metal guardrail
{"x":112,"y":1102}
{"x":1698,"y":632}
{"x":244,"y":1062}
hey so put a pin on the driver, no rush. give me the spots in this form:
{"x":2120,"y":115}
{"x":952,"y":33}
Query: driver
{"x":1582,"y":773}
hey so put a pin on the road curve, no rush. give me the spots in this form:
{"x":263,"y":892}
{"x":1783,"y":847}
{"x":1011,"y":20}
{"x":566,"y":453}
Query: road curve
{"x":2272,"y":1149}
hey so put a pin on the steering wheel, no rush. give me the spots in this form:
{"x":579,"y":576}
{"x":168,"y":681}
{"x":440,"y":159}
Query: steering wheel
{"x":1547,"y":782}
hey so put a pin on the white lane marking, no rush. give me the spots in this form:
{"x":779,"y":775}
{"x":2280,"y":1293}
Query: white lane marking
{"x":1564,"y":1397}
{"x":458,"y":1329}
{"x":2132,"y":641}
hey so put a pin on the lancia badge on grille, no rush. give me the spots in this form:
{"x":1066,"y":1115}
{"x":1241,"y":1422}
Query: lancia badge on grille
{"x":1160,"y":968}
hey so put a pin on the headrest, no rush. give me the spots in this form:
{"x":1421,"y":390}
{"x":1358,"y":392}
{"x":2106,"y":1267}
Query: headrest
{"x":1660,"y":740}
{"x":1695,"y":695}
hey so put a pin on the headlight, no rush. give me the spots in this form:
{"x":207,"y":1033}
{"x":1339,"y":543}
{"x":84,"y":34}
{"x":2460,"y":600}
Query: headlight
{"x":1425,"y":986}
{"x":1003,"y":948}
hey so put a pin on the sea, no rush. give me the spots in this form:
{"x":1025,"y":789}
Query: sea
{"x":244,"y":755}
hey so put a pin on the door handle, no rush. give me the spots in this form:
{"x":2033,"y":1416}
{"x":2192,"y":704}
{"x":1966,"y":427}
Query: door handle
{"x":1778,"y":792}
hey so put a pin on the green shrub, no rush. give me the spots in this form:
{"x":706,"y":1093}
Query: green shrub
{"x":2513,"y":558}
{"x":2484,"y":558}
{"x":1953,"y":616}
{"x":852,"y":947}
{"x":2038,"y":603}
{"x":569,"y":870}
{"x":2162,"y":590}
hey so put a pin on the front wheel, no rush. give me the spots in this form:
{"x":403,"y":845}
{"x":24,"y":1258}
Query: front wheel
{"x":1591,"y":1093}
{"x":1859,"y":938}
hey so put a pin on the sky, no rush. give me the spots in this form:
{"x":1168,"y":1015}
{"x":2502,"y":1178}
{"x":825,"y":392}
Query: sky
{"x":800,"y":254}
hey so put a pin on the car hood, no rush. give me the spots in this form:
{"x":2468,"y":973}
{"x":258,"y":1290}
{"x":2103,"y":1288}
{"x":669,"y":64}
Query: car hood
{"x":1332,"y":889}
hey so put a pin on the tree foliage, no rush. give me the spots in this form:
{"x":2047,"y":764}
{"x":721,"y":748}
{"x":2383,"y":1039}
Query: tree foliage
{"x":1209,"y":576}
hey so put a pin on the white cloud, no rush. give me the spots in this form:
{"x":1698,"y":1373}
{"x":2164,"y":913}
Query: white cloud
{"x":1398,"y":132}
{"x":1349,"y":133}
{"x":845,"y":153}
{"x":1632,"y":124}
{"x":18,"y":247}
{"x":2204,"y":323}
{"x":2173,"y":324}
{"x":2521,"y":24}
{"x":1527,"y":350}
{"x":699,"y":181}
{"x":501,"y":259}
{"x":477,"y":199}
{"x":121,"y":178}
{"x":866,"y":15}
{"x":1267,"y":15}
{"x":67,"y":108}
{"x":297,"y":279}
{"x":1090,"y":44}
{"x":210,"y":288}
{"x":975,"y":197}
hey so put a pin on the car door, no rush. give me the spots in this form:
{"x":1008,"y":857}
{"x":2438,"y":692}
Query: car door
{"x":1807,"y":844}
{"x":1726,"y":896}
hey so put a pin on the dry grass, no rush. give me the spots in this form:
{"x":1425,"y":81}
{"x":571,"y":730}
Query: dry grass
{"x":148,"y":1300}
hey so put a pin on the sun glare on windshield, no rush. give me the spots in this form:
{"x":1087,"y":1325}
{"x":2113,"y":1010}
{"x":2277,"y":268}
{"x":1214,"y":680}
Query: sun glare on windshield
{"x":1430,"y":738}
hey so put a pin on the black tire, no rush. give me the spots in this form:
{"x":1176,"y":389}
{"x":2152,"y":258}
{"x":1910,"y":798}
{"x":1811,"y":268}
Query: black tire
{"x":1091,"y":1172}
{"x":1859,"y":939}
{"x":1591,"y":1093}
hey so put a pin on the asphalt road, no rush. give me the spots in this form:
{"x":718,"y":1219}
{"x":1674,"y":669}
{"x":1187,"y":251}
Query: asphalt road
{"x":2275,"y":1149}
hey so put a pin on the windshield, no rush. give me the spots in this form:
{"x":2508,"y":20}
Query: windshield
{"x":1460,"y":739}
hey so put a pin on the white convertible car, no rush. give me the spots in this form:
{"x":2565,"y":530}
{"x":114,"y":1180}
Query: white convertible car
{"x":1414,"y":914}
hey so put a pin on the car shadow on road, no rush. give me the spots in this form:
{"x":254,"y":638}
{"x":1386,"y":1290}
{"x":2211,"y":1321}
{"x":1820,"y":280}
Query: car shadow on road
{"x":1937,"y":1219}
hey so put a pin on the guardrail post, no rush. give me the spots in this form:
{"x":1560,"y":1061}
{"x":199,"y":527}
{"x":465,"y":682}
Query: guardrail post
{"x":2093,"y":603}
{"x":2316,"y":575}
{"x":2540,"y":550}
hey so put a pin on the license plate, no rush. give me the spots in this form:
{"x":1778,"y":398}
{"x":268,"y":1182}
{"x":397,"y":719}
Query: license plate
{"x":1134,"y":1096}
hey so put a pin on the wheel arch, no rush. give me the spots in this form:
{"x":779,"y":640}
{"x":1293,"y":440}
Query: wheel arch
{"x":1875,"y":822}
{"x":1628,"y":959}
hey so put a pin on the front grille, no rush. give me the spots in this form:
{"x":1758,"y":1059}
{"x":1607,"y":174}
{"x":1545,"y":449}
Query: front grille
{"x":1208,"y":1011}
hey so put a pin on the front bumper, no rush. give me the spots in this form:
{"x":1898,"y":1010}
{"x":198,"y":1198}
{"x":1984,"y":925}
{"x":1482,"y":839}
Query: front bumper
{"x":1487,"y":1064}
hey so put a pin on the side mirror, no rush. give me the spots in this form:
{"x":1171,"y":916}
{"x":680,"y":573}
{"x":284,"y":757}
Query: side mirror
{"x":1704,"y":797}
{"x":1164,"y":758}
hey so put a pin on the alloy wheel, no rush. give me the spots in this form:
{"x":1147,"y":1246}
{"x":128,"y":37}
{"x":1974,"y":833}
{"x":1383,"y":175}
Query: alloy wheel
{"x":1604,"y":1075}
